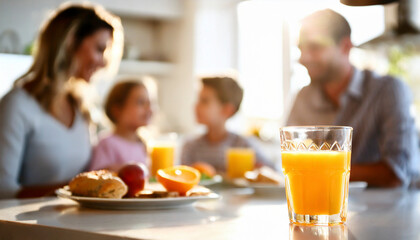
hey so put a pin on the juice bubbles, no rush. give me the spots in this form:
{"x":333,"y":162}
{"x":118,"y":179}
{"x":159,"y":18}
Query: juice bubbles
{"x":239,"y":161}
{"x":162,"y":156}
{"x":317,"y":181}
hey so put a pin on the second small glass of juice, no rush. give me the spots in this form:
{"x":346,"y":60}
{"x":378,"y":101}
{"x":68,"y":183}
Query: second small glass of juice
{"x":316,"y":166}
{"x":239,"y":161}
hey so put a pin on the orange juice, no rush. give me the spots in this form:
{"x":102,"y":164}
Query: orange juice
{"x":317,"y":181}
{"x":239,"y":161}
{"x":162,"y":156}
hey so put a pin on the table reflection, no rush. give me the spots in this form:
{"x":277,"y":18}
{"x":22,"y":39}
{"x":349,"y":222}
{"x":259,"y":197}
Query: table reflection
{"x":302,"y":232}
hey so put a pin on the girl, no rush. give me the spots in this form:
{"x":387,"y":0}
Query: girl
{"x":128,"y":108}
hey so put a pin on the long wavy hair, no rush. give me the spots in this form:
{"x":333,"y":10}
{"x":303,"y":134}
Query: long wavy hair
{"x":59,"y":39}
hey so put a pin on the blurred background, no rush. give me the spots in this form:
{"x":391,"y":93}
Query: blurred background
{"x":171,"y":43}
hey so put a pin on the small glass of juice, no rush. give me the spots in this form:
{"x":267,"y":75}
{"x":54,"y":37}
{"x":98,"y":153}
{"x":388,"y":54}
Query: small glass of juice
{"x":162,"y":156}
{"x":316,"y":166}
{"x":239,"y":161}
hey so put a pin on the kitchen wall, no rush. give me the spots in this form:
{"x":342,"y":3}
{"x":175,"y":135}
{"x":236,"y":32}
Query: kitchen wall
{"x":160,"y":42}
{"x":25,"y":16}
{"x":216,"y":36}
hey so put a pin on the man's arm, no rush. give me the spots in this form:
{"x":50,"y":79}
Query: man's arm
{"x":396,"y":139}
{"x":376,"y":174}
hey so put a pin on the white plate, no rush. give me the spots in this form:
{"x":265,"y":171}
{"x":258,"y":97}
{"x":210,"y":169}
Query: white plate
{"x":133,"y":203}
{"x":259,"y":188}
{"x":241,"y":182}
{"x":262,"y":188}
{"x":214,"y":180}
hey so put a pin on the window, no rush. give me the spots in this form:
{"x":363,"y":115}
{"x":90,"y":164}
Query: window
{"x":268,"y":56}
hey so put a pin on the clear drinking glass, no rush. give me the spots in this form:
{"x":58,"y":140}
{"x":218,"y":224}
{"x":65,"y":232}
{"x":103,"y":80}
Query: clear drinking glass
{"x":316,"y":166}
{"x":162,"y":156}
{"x":239,"y":161}
{"x":302,"y":232}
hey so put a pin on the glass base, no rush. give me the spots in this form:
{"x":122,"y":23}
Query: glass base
{"x":316,"y":219}
{"x":301,"y":231}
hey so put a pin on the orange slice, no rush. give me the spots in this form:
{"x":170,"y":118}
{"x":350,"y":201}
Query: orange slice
{"x":178,"y":179}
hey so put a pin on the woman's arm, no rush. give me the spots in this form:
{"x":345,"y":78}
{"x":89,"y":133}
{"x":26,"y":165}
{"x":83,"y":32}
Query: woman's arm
{"x":14,"y":128}
{"x":38,"y":191}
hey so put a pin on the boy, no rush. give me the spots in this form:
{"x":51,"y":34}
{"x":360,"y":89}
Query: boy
{"x":219,"y":99}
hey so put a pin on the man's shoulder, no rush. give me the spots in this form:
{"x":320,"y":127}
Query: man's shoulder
{"x":385,"y":83}
{"x":309,"y":88}
{"x":378,"y":79}
{"x":308,"y":92}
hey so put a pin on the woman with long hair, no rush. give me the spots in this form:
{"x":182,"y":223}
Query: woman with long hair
{"x":44,"y":136}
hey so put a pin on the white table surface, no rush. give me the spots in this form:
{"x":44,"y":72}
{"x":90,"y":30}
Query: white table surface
{"x":373,"y":214}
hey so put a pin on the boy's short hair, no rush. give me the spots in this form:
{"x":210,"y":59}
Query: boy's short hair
{"x":118,"y":96}
{"x":227,"y":90}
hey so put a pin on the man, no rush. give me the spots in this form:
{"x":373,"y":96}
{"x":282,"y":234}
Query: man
{"x":385,"y":146}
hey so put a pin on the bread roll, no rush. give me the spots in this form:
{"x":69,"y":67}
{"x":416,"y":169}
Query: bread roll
{"x":102,"y":184}
{"x":264,"y":175}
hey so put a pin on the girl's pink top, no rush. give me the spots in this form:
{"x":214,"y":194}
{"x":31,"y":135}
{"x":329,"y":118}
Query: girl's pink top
{"x":113,"y":151}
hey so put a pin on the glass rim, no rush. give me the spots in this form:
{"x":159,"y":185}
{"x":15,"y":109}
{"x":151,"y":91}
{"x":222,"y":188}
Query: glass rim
{"x":315,"y":127}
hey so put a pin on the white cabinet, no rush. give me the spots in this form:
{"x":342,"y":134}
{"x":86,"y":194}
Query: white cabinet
{"x":155,"y":9}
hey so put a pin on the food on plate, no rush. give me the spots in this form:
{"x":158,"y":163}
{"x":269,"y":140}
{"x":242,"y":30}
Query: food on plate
{"x":156,"y":194}
{"x":134,"y":176}
{"x":264,"y":175}
{"x":131,"y":181}
{"x":156,"y":190}
{"x":102,"y":183}
{"x":179,"y":179}
{"x":199,"y":191}
{"x":207,"y":171}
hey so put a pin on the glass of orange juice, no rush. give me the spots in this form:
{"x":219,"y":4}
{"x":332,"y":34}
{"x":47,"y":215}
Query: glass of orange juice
{"x":316,"y":166}
{"x":162,"y":156}
{"x":239,"y":161}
